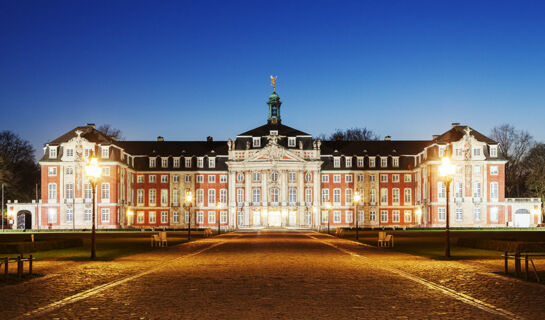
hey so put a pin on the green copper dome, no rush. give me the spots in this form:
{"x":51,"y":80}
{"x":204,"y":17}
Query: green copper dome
{"x":274,"y":108}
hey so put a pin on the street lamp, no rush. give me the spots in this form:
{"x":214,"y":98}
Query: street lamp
{"x":93,"y":173}
{"x":187,"y":205}
{"x":357,"y":199}
{"x":446,"y":173}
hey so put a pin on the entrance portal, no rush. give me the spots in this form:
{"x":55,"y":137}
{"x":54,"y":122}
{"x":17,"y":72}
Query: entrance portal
{"x":275,"y":219}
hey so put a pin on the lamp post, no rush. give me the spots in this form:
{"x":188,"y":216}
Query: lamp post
{"x":446,"y":173}
{"x":219,"y":226}
{"x":93,"y":173}
{"x":357,"y":199}
{"x":188,"y":199}
{"x":328,"y":206}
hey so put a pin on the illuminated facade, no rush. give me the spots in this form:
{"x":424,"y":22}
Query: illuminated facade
{"x":275,"y":176}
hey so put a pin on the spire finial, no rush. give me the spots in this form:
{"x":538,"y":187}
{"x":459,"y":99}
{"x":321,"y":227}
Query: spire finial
{"x":273,"y":82}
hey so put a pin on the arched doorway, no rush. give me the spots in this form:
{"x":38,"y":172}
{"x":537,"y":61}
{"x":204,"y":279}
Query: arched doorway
{"x":24,"y":219}
{"x":522,"y":218}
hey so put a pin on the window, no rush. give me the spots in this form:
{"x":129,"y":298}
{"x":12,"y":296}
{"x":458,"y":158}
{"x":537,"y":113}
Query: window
{"x":325,"y":178}
{"x":164,"y":217}
{"x":348,"y":178}
{"x":69,"y":170}
{"x":164,"y":179}
{"x":186,"y":217}
{"x":223,"y":178}
{"x":200,"y":162}
{"x":336,"y":162}
{"x":383,"y":178}
{"x":458,"y":152}
{"x":458,"y":190}
{"x":407,"y":178}
{"x":151,"y":178}
{"x":256,"y":195}
{"x":105,"y":215}
{"x":493,"y":151}
{"x":176,"y":164}
{"x":395,"y":195}
{"x":151,"y":217}
{"x":200,"y":197}
{"x":477,"y":190}
{"x":52,"y":215}
{"x":256,"y":176}
{"x":383,"y":216}
{"x":372,"y":178}
{"x":476,"y":152}
{"x":493,"y":191}
{"x":325,"y":216}
{"x":211,"y":178}
{"x":240,"y":177}
{"x":441,"y":190}
{"x":175,"y":178}
{"x":211,"y":162}
{"x":292,"y":177}
{"x":211,"y":197}
{"x":53,"y":155}
{"x":164,"y":197}
{"x":151,"y":197}
{"x":477,"y":214}
{"x":152,"y":162}
{"x":360,"y":162}
{"x":407,"y":216}
{"x":395,"y":162}
{"x":348,"y":162}
{"x":69,"y":191}
{"x":164,"y":162}
{"x":360,"y":177}
{"x":274,"y":194}
{"x":325,"y":195}
{"x":372,"y":215}
{"x":395,"y":178}
{"x":477,"y":170}
{"x":188,"y":162}
{"x":139,"y":178}
{"x":175,"y":217}
{"x":240,"y":195}
{"x":223,"y":196}
{"x":337,"y":178}
{"x":87,"y":153}
{"x":494,"y":170}
{"x":87,"y":215}
{"x":308,"y":195}
{"x":273,"y":132}
{"x":373,"y":196}
{"x":52,"y":171}
{"x":441,"y":214}
{"x":336,"y":217}
{"x":200,"y":217}
{"x":292,"y":193}
{"x":337,"y":196}
{"x":175,"y":196}
{"x":407,"y":196}
{"x":348,"y":216}
{"x":459,"y":214}
{"x":187,"y":178}
{"x":256,"y":142}
{"x":87,"y":191}
{"x":69,"y":215}
{"x":291,"y":142}
{"x":395,"y":216}
{"x":140,"y":217}
{"x":494,"y":214}
{"x":384,"y":196}
{"x":308,"y":177}
{"x":200,"y":178}
{"x":372,"y":162}
{"x":223,"y":217}
{"x":140,"y":196}
{"x":105,"y":192}
{"x":348,"y":196}
{"x":361,"y":216}
{"x":105,"y":152}
{"x":383,"y":162}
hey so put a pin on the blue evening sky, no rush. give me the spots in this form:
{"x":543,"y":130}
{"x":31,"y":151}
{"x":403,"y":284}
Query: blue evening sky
{"x":187,"y":70}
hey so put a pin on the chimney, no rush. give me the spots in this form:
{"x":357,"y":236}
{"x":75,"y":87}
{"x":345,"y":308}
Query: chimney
{"x":209,"y":139}
{"x":92,"y":125}
{"x":388,"y":138}
{"x":160,"y":139}
{"x":454,"y":124}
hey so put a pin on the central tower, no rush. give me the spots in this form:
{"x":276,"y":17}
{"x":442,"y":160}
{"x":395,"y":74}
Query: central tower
{"x":274,"y":108}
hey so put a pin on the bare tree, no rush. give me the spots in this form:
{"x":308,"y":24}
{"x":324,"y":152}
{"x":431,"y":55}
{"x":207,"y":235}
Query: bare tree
{"x":353,"y":134}
{"x":534,"y":163}
{"x":513,"y":146}
{"x":111,"y":132}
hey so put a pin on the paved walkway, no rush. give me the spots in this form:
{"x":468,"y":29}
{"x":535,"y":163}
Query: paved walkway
{"x":273,"y":275}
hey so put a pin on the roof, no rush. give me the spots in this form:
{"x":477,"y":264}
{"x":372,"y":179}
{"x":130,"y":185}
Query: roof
{"x":374,"y":147}
{"x":265,"y":130}
{"x":174,"y":148}
{"x":88,"y":132}
{"x":457,"y":132}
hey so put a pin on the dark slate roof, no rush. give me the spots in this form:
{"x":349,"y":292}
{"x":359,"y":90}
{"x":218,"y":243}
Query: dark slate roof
{"x":88,"y":132}
{"x":283,"y":130}
{"x":174,"y":148}
{"x":374,"y":148}
{"x":458,"y":132}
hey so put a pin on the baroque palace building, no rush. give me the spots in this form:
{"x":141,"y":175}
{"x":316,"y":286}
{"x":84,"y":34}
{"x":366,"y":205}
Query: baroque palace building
{"x":274,"y":176}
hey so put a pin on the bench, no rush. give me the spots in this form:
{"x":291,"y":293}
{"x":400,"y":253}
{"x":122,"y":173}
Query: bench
{"x":339,"y":232}
{"x":385,"y":240}
{"x":208,"y":232}
{"x":159,"y":240}
{"x":20,"y":260}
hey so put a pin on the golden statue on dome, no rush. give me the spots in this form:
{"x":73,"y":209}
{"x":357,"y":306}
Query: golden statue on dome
{"x":273,"y":82}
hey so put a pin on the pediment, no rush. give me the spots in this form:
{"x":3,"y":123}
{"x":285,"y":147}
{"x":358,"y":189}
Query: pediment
{"x":274,"y":152}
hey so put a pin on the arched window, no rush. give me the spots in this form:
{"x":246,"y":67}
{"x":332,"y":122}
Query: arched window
{"x":256,"y":195}
{"x":52,"y":192}
{"x":200,"y":196}
{"x":337,"y":196}
{"x":325,"y":195}
{"x":211,"y":197}
{"x":223,"y":196}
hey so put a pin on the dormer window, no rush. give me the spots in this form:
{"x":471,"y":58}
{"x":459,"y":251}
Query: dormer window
{"x":395,"y":161}
{"x":360,"y":162}
{"x":383,"y":162}
{"x":164,"y":162}
{"x":274,"y":132}
{"x":188,"y":162}
{"x":372,"y":162}
{"x":176,"y":162}
{"x":200,"y":162}
{"x":105,"y":152}
{"x":441,"y":151}
{"x":291,"y":142}
{"x":52,"y":152}
{"x":256,"y":142}
{"x":336,"y":162}
{"x":348,"y":162}
{"x":211,"y":162}
{"x":493,"y":151}
{"x":152,"y":162}
{"x":69,"y":152}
